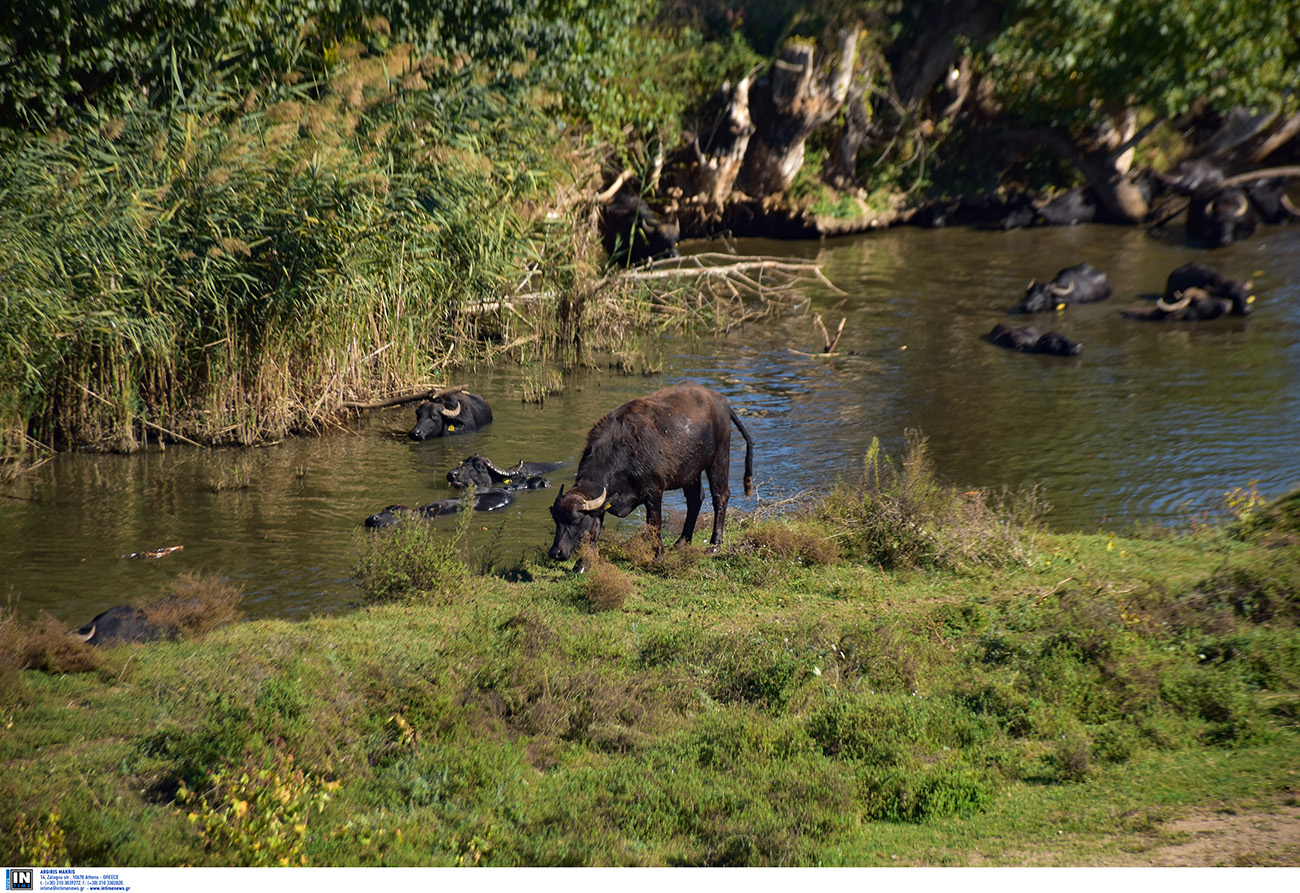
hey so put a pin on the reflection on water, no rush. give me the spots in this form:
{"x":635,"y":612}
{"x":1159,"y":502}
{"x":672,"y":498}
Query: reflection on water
{"x":1154,"y":422}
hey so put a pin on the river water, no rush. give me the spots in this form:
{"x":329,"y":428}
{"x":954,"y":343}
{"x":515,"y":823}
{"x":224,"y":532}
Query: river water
{"x":1152,"y":423}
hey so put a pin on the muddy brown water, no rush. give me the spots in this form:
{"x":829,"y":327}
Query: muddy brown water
{"x":1153,"y":423}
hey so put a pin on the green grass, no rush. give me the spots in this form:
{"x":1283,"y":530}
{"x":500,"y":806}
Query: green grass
{"x":1061,"y":705}
{"x":901,"y":673}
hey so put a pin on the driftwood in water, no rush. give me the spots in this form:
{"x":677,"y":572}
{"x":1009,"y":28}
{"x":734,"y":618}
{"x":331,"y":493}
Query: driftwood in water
{"x":737,"y":289}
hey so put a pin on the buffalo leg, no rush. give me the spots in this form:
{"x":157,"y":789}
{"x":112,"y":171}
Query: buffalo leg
{"x":720,"y":491}
{"x":694,"y":493}
{"x":654,"y":519}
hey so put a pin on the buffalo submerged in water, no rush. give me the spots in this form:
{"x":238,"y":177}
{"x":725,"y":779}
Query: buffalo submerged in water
{"x":456,"y":412}
{"x":643,"y":448}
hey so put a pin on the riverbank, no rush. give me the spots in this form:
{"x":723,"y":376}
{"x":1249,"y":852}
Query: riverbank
{"x":904,"y":675}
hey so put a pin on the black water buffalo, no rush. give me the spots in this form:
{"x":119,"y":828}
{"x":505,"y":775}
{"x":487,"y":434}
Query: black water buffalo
{"x":1028,"y":340}
{"x":121,"y":623}
{"x":479,"y":471}
{"x":643,"y":448}
{"x":1219,"y":217}
{"x":456,"y":412}
{"x":484,"y":501}
{"x":164,"y":618}
{"x":1081,"y":284}
{"x":633,"y":232}
{"x":1198,"y":292}
{"x":1071,"y":207}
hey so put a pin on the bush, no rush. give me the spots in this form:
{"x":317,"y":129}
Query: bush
{"x":903,"y":516}
{"x":606,"y":587}
{"x":932,"y":792}
{"x":414,"y":558}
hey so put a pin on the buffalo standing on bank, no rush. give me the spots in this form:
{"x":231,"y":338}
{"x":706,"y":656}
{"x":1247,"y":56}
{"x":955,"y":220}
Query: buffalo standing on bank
{"x":643,"y":448}
{"x":457,"y":412}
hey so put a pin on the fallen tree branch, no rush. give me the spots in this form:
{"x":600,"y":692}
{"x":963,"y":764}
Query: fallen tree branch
{"x":397,"y":401}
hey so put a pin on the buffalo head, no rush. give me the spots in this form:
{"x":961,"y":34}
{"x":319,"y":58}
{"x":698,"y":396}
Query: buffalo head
{"x":577,"y":519}
{"x":435,"y":418}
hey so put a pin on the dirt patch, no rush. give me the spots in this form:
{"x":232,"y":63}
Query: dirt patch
{"x":1205,"y":839}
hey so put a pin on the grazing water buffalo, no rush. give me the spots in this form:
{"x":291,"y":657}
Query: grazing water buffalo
{"x":479,"y":471}
{"x":456,"y":412}
{"x":484,"y":501}
{"x":644,"y":447}
{"x":1080,"y":284}
{"x":1198,"y":292}
{"x":1027,"y":339}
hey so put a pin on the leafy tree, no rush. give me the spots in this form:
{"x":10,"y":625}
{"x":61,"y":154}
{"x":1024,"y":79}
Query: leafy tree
{"x":1080,"y":66}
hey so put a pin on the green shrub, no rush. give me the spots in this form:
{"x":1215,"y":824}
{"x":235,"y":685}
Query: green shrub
{"x":932,"y":792}
{"x":413,"y":558}
{"x":256,"y":813}
{"x":903,"y":516}
{"x":1219,"y":699}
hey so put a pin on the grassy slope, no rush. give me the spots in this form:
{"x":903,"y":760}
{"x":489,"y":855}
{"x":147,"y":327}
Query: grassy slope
{"x":745,"y":708}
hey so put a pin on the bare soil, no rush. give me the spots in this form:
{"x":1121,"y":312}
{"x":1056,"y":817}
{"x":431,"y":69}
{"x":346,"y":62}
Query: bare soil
{"x":1207,"y":838}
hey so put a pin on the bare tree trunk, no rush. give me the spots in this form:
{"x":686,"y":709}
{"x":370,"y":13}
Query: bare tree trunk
{"x":717,"y":168}
{"x":1120,"y":197}
{"x":1281,"y":137}
{"x":787,"y":107}
{"x":857,"y":123}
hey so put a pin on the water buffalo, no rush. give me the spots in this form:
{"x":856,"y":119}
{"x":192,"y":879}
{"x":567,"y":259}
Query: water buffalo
{"x":1080,"y":284}
{"x":479,"y":471}
{"x":121,"y":623}
{"x":456,"y":412}
{"x":1028,"y":340}
{"x":635,"y":233}
{"x":1198,"y":292}
{"x":643,"y":448}
{"x":484,"y":501}
{"x":1218,"y":217}
{"x":165,"y":618}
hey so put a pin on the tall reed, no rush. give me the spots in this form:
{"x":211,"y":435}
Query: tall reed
{"x":228,"y":273}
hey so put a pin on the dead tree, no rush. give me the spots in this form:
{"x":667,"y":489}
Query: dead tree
{"x":787,"y":106}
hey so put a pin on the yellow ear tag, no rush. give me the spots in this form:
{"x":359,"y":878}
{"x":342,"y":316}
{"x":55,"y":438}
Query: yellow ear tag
{"x":1250,"y":300}
{"x":607,"y":507}
{"x":1060,"y":306}
{"x":506,"y":481}
{"x":451,"y":427}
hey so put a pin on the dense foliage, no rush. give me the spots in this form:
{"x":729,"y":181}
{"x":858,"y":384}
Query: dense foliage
{"x":225,"y":220}
{"x":1069,"y":61}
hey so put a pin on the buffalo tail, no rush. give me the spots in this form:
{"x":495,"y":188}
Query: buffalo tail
{"x":749,"y":453}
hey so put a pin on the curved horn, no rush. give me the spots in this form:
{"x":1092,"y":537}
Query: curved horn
{"x":591,"y":505}
{"x":1181,"y":300}
{"x":450,"y":414}
{"x":1056,"y":289}
{"x":1241,"y":203}
{"x":1289,"y":206}
{"x":87,"y":636}
{"x":492,"y":466}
